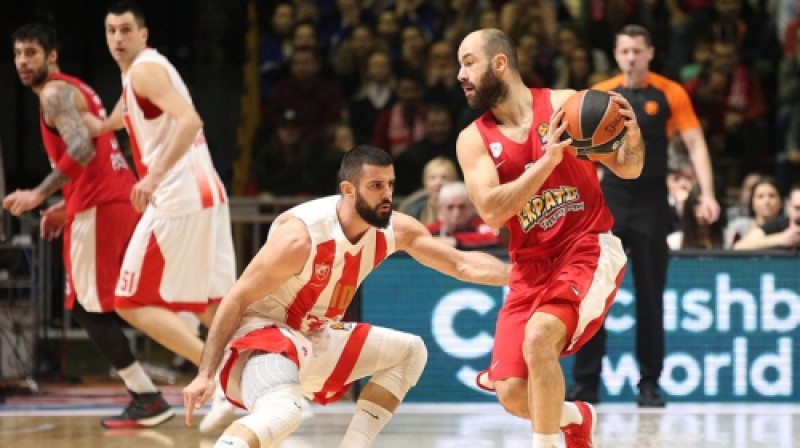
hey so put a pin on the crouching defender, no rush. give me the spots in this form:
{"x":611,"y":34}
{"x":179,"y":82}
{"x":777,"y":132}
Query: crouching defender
{"x":281,"y":321}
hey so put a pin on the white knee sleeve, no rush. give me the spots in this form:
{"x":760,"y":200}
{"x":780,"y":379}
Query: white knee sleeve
{"x":401,"y":377}
{"x":275,"y":415}
{"x":271,"y":392}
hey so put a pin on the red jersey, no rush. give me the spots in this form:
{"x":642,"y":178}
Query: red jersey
{"x":107,"y":178}
{"x":570,"y":202}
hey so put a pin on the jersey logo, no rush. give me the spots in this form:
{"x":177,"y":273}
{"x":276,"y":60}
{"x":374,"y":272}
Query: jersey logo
{"x":651,"y":107}
{"x":542,"y":131}
{"x":322,"y":270}
{"x":496,"y":148}
{"x":547,"y":208}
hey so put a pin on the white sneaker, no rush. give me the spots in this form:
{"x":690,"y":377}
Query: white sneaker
{"x":305,"y":411}
{"x":221,"y":414}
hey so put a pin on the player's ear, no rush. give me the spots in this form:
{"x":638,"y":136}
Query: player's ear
{"x":499,"y":62}
{"x":52,"y":57}
{"x":347,"y":188}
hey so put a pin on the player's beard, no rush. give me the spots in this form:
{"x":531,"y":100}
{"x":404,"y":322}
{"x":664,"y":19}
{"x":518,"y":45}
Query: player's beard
{"x":371,"y":214}
{"x":39,"y":77}
{"x":491,"y":92}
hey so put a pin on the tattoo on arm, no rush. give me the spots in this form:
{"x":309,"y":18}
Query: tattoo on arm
{"x":55,"y":180}
{"x":59,"y":108}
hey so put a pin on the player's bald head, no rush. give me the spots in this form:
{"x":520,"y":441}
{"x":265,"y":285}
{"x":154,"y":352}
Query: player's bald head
{"x":491,"y":42}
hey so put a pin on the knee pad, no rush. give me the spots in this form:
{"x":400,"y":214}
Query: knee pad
{"x":275,"y":415}
{"x":401,"y":377}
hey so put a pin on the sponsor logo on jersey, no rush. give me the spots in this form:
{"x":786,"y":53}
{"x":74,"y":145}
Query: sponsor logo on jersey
{"x":547,"y":208}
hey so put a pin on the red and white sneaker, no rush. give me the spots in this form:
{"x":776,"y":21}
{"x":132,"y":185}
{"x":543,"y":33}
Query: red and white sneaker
{"x":144,"y":411}
{"x":581,"y":435}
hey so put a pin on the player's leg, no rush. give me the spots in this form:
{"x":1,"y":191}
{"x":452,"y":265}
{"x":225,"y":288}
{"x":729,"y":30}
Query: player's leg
{"x":166,"y":328}
{"x":589,"y":359}
{"x":147,"y":406}
{"x":270,"y":389}
{"x":93,"y":270}
{"x":395,"y":361}
{"x":545,"y":338}
{"x":166,"y":270}
{"x":650,"y":260}
{"x":597,"y":277}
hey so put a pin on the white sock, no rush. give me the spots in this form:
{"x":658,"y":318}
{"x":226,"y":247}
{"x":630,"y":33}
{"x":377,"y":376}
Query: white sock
{"x":545,"y":440}
{"x":570,"y":414}
{"x":226,"y":441}
{"x":137,"y":380}
{"x":368,"y":420}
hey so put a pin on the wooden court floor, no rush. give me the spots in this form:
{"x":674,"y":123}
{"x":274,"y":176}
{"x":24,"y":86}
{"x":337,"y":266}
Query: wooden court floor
{"x":70,"y":419}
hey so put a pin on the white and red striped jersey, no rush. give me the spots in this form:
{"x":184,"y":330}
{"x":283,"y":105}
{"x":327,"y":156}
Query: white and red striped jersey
{"x":335,"y":268}
{"x":192,"y":184}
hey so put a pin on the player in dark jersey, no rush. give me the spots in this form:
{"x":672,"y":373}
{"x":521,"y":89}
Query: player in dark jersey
{"x":641,"y":210}
{"x":95,"y":217}
{"x":567,"y":266}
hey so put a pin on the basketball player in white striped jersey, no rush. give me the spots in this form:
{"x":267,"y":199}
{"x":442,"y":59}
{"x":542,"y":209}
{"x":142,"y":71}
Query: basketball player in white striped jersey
{"x":278,"y":336}
{"x":181,"y":256}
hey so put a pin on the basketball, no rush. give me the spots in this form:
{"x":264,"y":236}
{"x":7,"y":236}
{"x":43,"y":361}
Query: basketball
{"x":593,"y":123}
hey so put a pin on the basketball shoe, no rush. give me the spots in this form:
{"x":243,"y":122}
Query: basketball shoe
{"x":581,"y":435}
{"x":221,"y":414}
{"x":144,"y":411}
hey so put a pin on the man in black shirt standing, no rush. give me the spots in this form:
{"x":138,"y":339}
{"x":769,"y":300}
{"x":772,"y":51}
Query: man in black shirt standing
{"x":641,"y":209}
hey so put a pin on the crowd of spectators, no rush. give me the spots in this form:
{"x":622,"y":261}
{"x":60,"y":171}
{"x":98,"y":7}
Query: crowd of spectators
{"x":338,"y":72}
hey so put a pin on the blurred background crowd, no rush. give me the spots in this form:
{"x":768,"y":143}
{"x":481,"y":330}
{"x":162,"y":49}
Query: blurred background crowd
{"x":286,"y":87}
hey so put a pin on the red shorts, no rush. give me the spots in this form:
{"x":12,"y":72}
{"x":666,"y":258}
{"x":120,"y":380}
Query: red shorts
{"x":94,"y":246}
{"x":578,"y":287}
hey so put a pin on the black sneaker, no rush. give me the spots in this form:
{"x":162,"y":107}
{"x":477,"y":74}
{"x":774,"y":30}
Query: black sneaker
{"x":583,"y":392}
{"x":144,"y":411}
{"x":650,"y":397}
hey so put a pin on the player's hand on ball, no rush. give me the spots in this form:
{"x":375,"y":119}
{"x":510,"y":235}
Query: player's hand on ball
{"x":555,"y":147}
{"x":626,"y":110}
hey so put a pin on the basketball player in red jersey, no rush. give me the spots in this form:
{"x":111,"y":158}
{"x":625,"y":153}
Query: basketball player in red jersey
{"x":95,"y":216}
{"x":181,"y":256}
{"x":567,"y":266}
{"x":284,"y":314}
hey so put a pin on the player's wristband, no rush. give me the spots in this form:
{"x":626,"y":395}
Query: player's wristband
{"x":70,"y":167}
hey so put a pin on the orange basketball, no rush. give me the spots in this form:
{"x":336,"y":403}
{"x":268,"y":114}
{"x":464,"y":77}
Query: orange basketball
{"x":593,"y":123}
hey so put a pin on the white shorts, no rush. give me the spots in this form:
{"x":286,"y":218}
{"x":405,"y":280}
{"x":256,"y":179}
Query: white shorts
{"x":329,"y":360}
{"x":181,"y":263}
{"x":94,"y":244}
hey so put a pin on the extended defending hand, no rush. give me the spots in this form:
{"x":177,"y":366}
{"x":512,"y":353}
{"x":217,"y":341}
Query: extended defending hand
{"x":196,"y":394}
